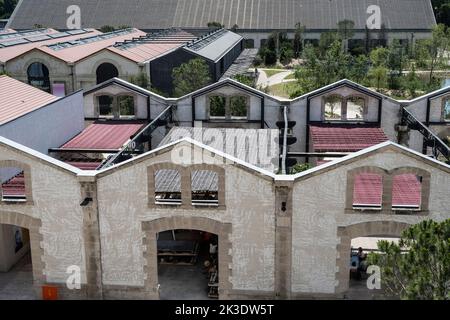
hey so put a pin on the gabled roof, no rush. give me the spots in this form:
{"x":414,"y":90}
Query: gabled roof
{"x":21,"y":45}
{"x":349,"y":138}
{"x":213,"y":46}
{"x":18,"y":99}
{"x":74,"y":51}
{"x":388,"y":145}
{"x":152,"y":46}
{"x":104,"y":135}
{"x":247,"y":14}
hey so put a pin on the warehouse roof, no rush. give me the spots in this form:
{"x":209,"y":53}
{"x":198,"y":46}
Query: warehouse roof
{"x":15,"y":44}
{"x":153,"y":45}
{"x":332,"y":138}
{"x":108,"y":136}
{"x":73,"y":51}
{"x":247,"y":14}
{"x":255,"y":146}
{"x":214,"y":45}
{"x":18,"y":99}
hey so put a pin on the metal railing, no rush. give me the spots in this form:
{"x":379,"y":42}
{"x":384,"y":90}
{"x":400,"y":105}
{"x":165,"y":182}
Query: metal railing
{"x":136,"y":145}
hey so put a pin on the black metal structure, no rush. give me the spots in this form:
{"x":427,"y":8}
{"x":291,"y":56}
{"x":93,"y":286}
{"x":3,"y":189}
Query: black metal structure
{"x":430,"y":139}
{"x":137,"y":145}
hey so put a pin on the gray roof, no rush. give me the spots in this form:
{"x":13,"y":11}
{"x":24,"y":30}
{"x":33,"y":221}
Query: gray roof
{"x":221,"y":140}
{"x":247,"y":14}
{"x":213,"y":46}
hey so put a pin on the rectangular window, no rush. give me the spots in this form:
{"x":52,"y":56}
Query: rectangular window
{"x":217,"y":107}
{"x":368,"y":191}
{"x":12,"y":185}
{"x":333,"y":108}
{"x":238,"y":107}
{"x":126,"y":106}
{"x":168,"y":187}
{"x":205,"y":186}
{"x":447,"y":109}
{"x":407,"y":192}
{"x":105,"y":104}
{"x":355,"y":109}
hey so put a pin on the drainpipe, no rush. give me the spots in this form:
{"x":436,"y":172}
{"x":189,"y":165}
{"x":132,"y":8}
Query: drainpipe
{"x":286,"y":127}
{"x":72,"y":69}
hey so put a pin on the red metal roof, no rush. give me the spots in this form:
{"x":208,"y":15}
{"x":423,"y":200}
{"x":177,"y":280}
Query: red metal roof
{"x":14,"y":187}
{"x":345,"y":138}
{"x":18,"y":99}
{"x":85,"y":165}
{"x":406,"y":190}
{"x":104,"y":136}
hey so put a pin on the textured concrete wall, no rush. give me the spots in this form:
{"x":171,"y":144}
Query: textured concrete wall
{"x":319,"y":209}
{"x":55,"y":202}
{"x":121,"y":219}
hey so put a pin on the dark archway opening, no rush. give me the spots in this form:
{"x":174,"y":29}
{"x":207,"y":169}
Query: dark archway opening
{"x":188,"y":265}
{"x":16,"y":269}
{"x":105,"y":72}
{"x":39,"y":76}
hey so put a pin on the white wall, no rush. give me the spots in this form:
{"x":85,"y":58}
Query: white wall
{"x":48,"y":127}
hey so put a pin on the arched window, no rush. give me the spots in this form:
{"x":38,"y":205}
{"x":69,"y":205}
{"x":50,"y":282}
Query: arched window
{"x":105,"y":72}
{"x":333,"y":108}
{"x":126,"y":106}
{"x":355,"y":108}
{"x":446,"y":109}
{"x":38,"y":76}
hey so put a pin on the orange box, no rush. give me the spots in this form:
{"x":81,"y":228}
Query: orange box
{"x":49,"y":293}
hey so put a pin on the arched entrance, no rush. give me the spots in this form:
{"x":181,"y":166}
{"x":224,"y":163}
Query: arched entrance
{"x":365,"y":229}
{"x":155,"y":227}
{"x":29,"y":226}
{"x":106,"y":71}
{"x":39,"y":76}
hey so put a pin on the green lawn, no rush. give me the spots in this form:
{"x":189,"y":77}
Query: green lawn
{"x":283,"y":89}
{"x":290,"y":77}
{"x":272,"y":72}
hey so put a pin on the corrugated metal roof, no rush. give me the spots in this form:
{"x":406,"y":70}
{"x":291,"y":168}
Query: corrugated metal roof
{"x":244,"y":144}
{"x":110,"y":135}
{"x":213,"y":46}
{"x":18,"y":99}
{"x":345,"y":138}
{"x":247,"y":14}
{"x":406,"y":190}
{"x":152,"y":46}
{"x":11,"y":52}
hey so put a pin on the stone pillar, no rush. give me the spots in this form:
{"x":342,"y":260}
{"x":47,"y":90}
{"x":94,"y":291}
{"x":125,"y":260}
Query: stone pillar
{"x":91,"y":233}
{"x":283,"y":240}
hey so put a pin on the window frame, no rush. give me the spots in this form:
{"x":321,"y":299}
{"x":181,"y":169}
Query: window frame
{"x":228,"y":99}
{"x":445,"y":100}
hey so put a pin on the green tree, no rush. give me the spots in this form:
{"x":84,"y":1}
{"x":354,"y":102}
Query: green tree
{"x":215,"y":25}
{"x":379,"y":57}
{"x":412,"y":82}
{"x":326,"y":41}
{"x":423,"y":272}
{"x":379,"y":76}
{"x":437,"y":46}
{"x":298,"y":39}
{"x":300,"y":167}
{"x":141,"y":80}
{"x":190,"y":76}
{"x":346,"y":30}
{"x":107,"y":28}
{"x":442,"y":11}
{"x":7,"y":8}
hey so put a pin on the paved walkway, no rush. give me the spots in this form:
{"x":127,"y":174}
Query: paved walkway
{"x":17,"y":284}
{"x":264,"y":80}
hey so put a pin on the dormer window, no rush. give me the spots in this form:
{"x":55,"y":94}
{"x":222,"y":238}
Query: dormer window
{"x":105,"y":104}
{"x":238,"y":107}
{"x":338,"y":108}
{"x":217,"y":107}
{"x":126,"y":106}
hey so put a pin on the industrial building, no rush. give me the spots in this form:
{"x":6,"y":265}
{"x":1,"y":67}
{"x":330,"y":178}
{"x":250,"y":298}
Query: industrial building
{"x":63,"y":62}
{"x":138,"y":196}
{"x":255,"y":20}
